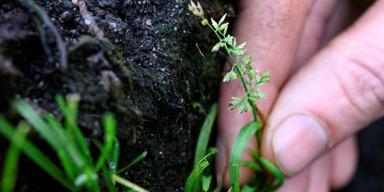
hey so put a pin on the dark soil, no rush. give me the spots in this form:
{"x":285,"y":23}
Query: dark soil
{"x":144,"y":66}
{"x":370,"y":171}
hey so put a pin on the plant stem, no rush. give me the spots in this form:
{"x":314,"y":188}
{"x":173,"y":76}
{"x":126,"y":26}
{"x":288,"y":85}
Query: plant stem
{"x":255,"y":111}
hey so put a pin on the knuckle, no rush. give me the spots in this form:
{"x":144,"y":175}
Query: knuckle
{"x":360,"y":75}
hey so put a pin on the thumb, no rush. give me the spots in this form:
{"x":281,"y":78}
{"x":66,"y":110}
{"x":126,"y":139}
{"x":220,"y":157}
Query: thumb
{"x":337,"y":94}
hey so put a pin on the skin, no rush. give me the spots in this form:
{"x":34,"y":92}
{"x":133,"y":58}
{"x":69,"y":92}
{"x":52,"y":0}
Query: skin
{"x":327,"y":82}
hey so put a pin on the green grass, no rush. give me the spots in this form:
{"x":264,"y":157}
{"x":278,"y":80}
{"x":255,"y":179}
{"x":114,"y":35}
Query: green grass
{"x":76,"y":170}
{"x":237,"y":150}
{"x":12,"y":158}
{"x":201,"y":178}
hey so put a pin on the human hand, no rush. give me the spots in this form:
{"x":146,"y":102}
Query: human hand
{"x":337,"y":89}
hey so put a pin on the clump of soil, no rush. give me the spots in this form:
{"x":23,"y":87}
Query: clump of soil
{"x":144,"y":65}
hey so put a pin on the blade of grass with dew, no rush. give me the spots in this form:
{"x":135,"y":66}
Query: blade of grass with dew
{"x":11,"y":161}
{"x":113,"y":157}
{"x":133,"y":162}
{"x":109,"y":138}
{"x":238,"y":147}
{"x":193,"y":180}
{"x":205,"y":134}
{"x":34,"y":153}
{"x":128,"y":184}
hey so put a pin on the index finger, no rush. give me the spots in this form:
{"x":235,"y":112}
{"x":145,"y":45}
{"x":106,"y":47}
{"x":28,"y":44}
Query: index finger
{"x":272,"y":30}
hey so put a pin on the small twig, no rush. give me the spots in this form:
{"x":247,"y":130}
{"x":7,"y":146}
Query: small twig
{"x":88,"y":19}
{"x":30,"y":4}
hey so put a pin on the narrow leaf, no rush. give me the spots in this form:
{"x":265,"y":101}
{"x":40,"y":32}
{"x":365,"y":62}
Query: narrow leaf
{"x":11,"y":161}
{"x":238,"y":147}
{"x":205,"y":134}
{"x":193,"y":180}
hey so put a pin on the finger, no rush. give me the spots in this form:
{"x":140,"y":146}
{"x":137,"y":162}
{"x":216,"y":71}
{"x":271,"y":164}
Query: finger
{"x":319,"y":175}
{"x":343,"y":163}
{"x":314,"y":31}
{"x":340,"y":92}
{"x":272,"y":30}
{"x":298,"y":183}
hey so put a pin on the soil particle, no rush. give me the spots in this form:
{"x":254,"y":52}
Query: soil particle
{"x":146,"y":70}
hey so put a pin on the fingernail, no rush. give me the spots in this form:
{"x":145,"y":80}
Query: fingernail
{"x":297,"y":141}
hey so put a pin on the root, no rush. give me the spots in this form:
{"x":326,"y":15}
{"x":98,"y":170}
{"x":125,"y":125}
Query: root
{"x":44,"y":18}
{"x":88,"y":19}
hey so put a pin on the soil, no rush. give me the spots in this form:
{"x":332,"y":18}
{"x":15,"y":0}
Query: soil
{"x":143,"y":61}
{"x":370,"y":171}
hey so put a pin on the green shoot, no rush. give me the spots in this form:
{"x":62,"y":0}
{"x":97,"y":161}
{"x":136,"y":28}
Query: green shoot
{"x":194,"y":178}
{"x":202,"y":152}
{"x":12,"y":158}
{"x":205,"y":133}
{"x":237,"y":151}
{"x":133,"y":162}
{"x":251,"y":80}
{"x":79,"y":172}
{"x":128,"y":184}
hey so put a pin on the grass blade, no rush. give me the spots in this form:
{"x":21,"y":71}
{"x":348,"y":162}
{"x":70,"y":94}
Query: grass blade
{"x":113,"y":157}
{"x":107,"y":175}
{"x":133,"y":162}
{"x":38,"y":123}
{"x":251,"y":165}
{"x":31,"y":151}
{"x":193,"y":180}
{"x":11,"y":161}
{"x":205,"y":133}
{"x":128,"y":184}
{"x":66,"y":161}
{"x":238,"y":147}
{"x":206,"y":183}
{"x":69,"y":110}
{"x":109,"y":137}
{"x":274,"y":171}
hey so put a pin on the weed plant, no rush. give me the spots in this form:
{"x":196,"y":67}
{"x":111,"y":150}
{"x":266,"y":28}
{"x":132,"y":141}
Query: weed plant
{"x":77,"y":170}
{"x":268,"y":177}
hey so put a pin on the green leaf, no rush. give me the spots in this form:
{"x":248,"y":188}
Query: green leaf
{"x":206,"y":182}
{"x":251,"y":165}
{"x":193,"y":180}
{"x":69,"y":110}
{"x":247,"y":188}
{"x":107,"y":176}
{"x":128,"y":184}
{"x":38,"y":157}
{"x":274,"y":171}
{"x":134,"y":162}
{"x":109,"y":139}
{"x":238,"y":147}
{"x":11,"y":161}
{"x":205,"y":134}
